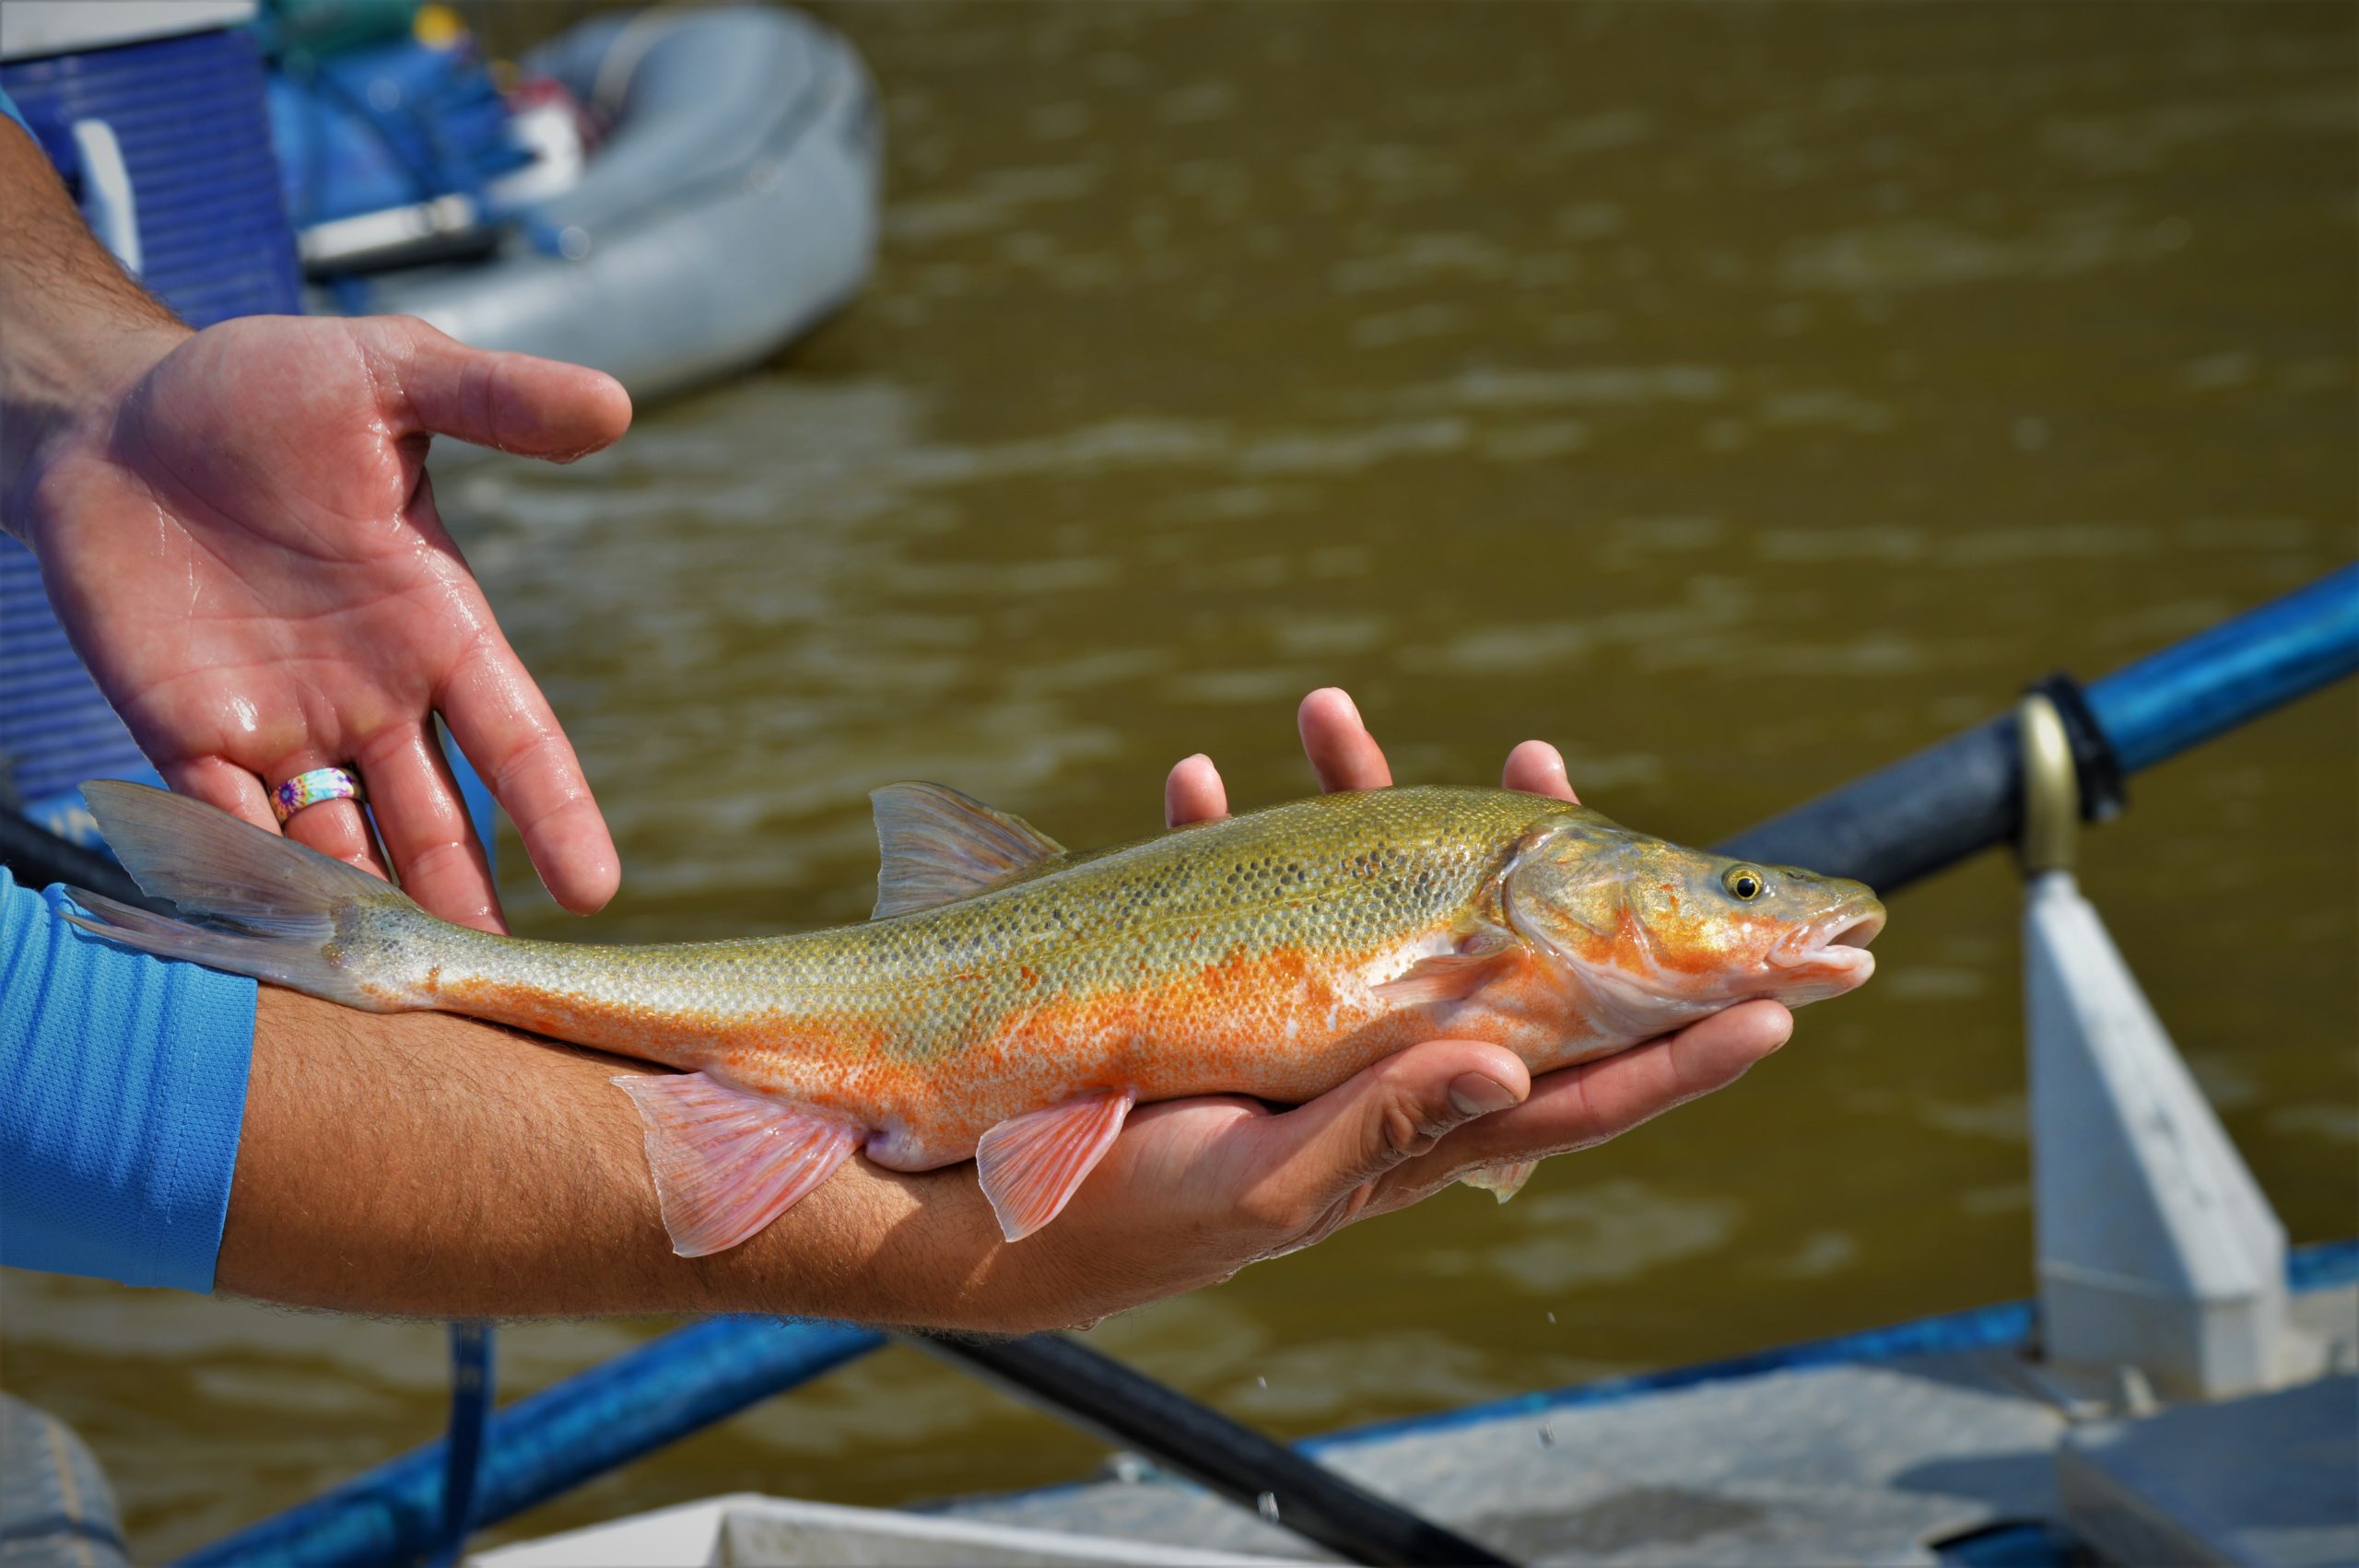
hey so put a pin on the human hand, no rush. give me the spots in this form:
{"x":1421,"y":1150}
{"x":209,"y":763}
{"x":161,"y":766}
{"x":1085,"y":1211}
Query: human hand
{"x":1344,"y":756}
{"x":1194,"y":1189}
{"x":238,"y":532}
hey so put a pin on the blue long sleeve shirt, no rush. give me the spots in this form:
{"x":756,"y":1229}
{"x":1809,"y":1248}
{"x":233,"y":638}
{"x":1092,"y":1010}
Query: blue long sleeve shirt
{"x":123,"y":1087}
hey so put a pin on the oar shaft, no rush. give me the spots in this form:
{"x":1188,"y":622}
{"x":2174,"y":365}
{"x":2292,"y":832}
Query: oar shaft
{"x":1130,"y":1410}
{"x":1928,"y":811}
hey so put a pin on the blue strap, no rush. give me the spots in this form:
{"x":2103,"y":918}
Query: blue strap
{"x":471,"y":1396}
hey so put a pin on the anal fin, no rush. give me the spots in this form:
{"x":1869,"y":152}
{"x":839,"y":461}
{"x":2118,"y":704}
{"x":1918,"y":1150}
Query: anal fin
{"x":1502,"y":1181}
{"x":1032,"y":1164}
{"x":726,"y":1162}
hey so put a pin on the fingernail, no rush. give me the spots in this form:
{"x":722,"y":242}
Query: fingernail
{"x":1472,"y":1094}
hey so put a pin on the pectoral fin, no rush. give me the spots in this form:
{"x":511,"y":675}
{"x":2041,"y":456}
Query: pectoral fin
{"x":1454,"y":976}
{"x":726,"y":1162}
{"x":939,"y":845}
{"x":1030,"y":1164}
{"x":1503,"y":1181}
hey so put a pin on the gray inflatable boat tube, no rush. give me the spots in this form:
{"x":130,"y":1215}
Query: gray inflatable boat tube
{"x":733,"y":204}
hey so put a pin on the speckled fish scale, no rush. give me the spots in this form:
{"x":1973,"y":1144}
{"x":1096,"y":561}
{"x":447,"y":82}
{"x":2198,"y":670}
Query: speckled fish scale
{"x":1177,"y":966}
{"x":1013,"y":999}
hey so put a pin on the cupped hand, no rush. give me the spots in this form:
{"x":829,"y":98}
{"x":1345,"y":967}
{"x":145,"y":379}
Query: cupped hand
{"x":242,"y":543}
{"x":1344,"y":756}
{"x":1194,"y":1189}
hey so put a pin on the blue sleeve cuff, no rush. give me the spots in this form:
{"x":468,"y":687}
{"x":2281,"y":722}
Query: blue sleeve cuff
{"x":8,"y":108}
{"x":122,"y":1088}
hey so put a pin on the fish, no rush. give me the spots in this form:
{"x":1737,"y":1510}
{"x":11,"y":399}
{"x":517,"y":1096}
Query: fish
{"x":1010,"y":1001}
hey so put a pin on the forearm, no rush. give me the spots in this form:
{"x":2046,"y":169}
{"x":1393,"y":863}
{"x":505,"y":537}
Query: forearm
{"x":73,"y":328}
{"x":422,"y":1164}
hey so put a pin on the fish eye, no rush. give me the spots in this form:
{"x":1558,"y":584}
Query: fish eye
{"x":1743,"y":883}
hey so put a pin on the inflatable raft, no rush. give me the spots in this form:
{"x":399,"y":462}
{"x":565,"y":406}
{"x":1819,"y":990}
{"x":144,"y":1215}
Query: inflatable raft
{"x":730,"y":204}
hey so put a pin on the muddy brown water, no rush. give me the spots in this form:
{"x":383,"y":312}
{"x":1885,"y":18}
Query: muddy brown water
{"x":1739,"y":396}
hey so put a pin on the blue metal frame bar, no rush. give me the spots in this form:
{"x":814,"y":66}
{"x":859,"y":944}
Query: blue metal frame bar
{"x":2322,"y":1267}
{"x":2238,"y":670}
{"x":472,"y":1394}
{"x":2004,"y":1326}
{"x":554,"y":1440}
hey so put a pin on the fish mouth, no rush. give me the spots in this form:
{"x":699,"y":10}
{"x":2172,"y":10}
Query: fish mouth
{"x":1833,"y":947}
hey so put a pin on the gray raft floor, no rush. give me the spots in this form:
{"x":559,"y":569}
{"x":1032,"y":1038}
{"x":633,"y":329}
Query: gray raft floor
{"x":1863,"y":1462}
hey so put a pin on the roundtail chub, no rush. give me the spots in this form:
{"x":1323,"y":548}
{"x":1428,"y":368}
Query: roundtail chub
{"x":1011,"y":1001}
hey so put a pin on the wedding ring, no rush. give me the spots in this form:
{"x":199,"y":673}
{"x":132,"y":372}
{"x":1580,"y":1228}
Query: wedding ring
{"x":309,"y":789}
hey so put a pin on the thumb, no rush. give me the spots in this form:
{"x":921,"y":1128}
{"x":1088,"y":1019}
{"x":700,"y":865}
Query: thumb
{"x":1340,"y":1142}
{"x":515,"y":403}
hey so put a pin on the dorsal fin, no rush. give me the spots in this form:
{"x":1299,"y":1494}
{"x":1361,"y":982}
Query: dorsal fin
{"x":939,"y":845}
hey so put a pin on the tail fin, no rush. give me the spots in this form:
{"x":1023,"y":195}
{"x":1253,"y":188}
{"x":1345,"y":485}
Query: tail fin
{"x":249,"y":902}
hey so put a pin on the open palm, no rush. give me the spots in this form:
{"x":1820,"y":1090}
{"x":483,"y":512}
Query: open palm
{"x":245,"y":551}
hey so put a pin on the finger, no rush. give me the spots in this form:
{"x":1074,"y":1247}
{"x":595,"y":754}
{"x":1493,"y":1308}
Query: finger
{"x":502,"y":722}
{"x":1538,"y":768}
{"x":1193,"y":792}
{"x":224,"y":785}
{"x":1326,"y":1153}
{"x":1341,"y":751}
{"x":1587,"y":1104}
{"x":423,"y":822}
{"x":516,"y":403}
{"x":336,"y":828}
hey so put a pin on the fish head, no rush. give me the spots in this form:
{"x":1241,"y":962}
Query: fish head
{"x":1659,"y":935}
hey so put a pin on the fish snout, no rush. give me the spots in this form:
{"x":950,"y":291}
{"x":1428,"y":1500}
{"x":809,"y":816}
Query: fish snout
{"x":1828,"y":955}
{"x":1857,"y":924}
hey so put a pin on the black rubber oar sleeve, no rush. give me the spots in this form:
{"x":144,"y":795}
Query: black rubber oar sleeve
{"x":1106,"y":1398}
{"x":37,"y":856}
{"x":1922,"y":813}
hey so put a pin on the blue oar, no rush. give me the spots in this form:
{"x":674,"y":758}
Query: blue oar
{"x":1963,"y":795}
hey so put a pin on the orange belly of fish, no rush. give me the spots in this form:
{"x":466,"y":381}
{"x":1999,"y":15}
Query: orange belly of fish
{"x":1284,"y":1028}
